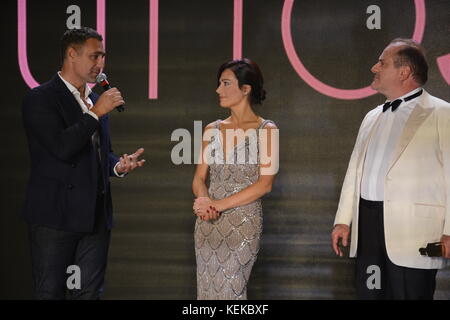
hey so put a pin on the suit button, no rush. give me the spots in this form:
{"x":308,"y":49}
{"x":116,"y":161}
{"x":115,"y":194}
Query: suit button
{"x":70,"y":186}
{"x":73,"y":165}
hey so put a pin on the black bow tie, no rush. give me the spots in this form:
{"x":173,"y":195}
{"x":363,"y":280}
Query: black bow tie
{"x":392,"y":104}
{"x":396,"y":103}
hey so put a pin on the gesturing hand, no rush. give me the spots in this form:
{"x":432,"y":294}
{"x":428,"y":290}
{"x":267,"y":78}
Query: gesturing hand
{"x":129,"y":163}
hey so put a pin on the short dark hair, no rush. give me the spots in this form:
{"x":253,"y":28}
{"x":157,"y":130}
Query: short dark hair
{"x":247,"y":72}
{"x":76,"y":38}
{"x":412,"y":54}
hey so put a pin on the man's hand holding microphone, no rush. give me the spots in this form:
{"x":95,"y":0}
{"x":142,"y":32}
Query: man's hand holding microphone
{"x":108,"y":101}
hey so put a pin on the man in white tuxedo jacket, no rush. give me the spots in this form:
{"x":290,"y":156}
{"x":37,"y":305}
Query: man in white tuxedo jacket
{"x":396,"y":193}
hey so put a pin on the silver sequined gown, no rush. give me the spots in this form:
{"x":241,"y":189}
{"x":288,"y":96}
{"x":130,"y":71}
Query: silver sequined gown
{"x":226,"y":248}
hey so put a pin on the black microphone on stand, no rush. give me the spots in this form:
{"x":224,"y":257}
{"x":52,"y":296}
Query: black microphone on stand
{"x":102,"y":80}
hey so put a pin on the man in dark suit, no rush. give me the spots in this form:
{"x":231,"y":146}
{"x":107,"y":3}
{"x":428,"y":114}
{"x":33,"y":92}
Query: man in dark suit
{"x":68,"y":203}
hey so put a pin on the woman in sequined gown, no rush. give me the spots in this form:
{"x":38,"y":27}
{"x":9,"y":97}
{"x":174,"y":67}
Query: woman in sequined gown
{"x":229,"y":213}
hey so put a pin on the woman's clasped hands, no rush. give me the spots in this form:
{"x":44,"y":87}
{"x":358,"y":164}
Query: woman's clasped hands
{"x":205,"y":209}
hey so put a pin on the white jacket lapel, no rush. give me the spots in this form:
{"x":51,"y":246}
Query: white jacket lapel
{"x":419,"y":114}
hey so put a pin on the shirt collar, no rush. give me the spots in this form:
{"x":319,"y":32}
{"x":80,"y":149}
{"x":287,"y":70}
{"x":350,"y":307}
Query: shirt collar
{"x":74,"y":90}
{"x":407,"y":95}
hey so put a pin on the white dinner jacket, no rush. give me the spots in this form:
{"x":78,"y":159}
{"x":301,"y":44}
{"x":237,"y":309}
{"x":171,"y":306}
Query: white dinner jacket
{"x":416,"y":186}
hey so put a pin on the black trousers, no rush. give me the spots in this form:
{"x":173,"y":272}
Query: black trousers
{"x":53,"y":251}
{"x":395,"y":282}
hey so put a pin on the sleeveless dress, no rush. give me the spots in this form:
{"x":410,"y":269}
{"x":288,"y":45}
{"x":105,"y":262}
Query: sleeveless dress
{"x":226,"y":248}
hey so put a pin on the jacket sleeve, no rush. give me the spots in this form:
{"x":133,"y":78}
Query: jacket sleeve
{"x":443,"y":126}
{"x":44,"y":123}
{"x":113,"y":159}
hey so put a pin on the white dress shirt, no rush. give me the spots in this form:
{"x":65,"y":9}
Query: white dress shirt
{"x":382,"y":146}
{"x":86,"y":108}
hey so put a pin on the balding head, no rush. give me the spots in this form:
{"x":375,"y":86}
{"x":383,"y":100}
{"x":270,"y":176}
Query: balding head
{"x":410,"y":53}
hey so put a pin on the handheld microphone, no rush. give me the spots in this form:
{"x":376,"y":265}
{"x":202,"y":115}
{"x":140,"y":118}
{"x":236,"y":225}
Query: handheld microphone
{"x":435,"y":249}
{"x":102,"y":80}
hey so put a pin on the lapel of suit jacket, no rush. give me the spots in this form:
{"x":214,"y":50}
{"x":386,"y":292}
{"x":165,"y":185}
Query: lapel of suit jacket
{"x":94,"y":97}
{"x":370,"y":133}
{"x":68,"y":105}
{"x":101,"y":121}
{"x":419,"y":114}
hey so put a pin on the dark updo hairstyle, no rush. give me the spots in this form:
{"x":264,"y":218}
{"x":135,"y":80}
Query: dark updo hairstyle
{"x":247,"y":72}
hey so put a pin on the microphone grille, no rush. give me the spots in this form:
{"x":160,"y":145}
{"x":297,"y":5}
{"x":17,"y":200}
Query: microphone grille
{"x":101,"y":77}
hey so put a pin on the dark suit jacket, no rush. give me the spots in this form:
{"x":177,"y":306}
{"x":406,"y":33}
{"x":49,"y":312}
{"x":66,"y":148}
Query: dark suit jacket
{"x":63,"y":183}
